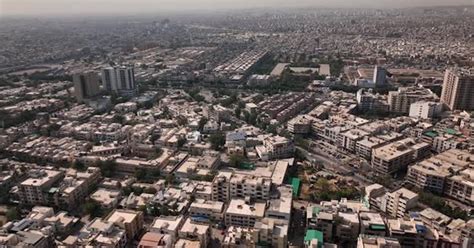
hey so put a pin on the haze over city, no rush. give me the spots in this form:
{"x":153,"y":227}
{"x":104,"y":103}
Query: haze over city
{"x":110,"y":7}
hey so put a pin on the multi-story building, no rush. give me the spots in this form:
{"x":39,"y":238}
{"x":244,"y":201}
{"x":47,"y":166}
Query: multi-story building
{"x":431,"y":174}
{"x":400,"y":101}
{"x":350,"y":138}
{"x":221,"y":186}
{"x":129,"y":220}
{"x":461,"y":186}
{"x":195,"y":231}
{"x":45,"y":187}
{"x":228,"y":185}
{"x":86,"y":85}
{"x":101,"y":233}
{"x":425,"y":110}
{"x":458,"y":90}
{"x":301,"y":124}
{"x":367,"y":101}
{"x":207,"y":210}
{"x":367,"y":144}
{"x":120,"y":80}
{"x":272,"y":232}
{"x":151,"y":239}
{"x":167,"y":225}
{"x":367,"y":241}
{"x":32,"y":190}
{"x":391,"y":158}
{"x":380,"y":76}
{"x":255,"y":187}
{"x":372,"y":224}
{"x":275,"y":147}
{"x":397,"y":203}
{"x":279,"y":207}
{"x":243,"y":213}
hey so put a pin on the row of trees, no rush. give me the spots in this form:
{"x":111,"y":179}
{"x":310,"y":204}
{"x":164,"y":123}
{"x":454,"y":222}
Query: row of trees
{"x":439,"y":204}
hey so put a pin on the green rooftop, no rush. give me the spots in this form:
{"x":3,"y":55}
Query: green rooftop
{"x":316,"y":211}
{"x":314,"y":234}
{"x":377,"y":227}
{"x":451,"y":131}
{"x":431,"y":134}
{"x":295,"y":183}
{"x":247,"y":166}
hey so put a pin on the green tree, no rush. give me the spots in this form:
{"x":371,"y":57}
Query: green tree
{"x":118,"y":119}
{"x":12,"y":214}
{"x":79,"y":165}
{"x":92,"y":208}
{"x":150,"y":190}
{"x":217,"y":141}
{"x":170,"y":178}
{"x":140,"y":174}
{"x":237,"y":112}
{"x":107,"y":168}
{"x":202,"y":122}
{"x":181,"y":142}
{"x":236,"y":160}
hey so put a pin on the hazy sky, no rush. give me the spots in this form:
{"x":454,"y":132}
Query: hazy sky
{"x":92,"y":7}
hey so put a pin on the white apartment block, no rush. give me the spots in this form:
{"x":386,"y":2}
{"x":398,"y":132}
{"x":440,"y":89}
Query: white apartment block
{"x":425,"y":110}
{"x":227,"y":185}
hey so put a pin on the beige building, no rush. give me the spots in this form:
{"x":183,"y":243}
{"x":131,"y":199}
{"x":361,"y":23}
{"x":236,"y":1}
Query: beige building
{"x":365,"y":241}
{"x":86,"y":85}
{"x":391,"y":158}
{"x":31,"y":191}
{"x":221,"y":186}
{"x":195,"y":231}
{"x":271,"y":231}
{"x":400,"y":101}
{"x":430,"y":174}
{"x":242,"y":213}
{"x":167,"y":225}
{"x":128,"y":220}
{"x":228,"y":185}
{"x":255,"y":187}
{"x":398,"y":202}
{"x":212,"y":210}
{"x":461,"y":186}
{"x":458,"y":90}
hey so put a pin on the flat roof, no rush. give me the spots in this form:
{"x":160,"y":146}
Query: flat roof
{"x":239,"y":207}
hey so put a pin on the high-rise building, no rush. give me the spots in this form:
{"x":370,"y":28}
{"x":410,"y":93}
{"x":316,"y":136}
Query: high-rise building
{"x":120,"y":80}
{"x":86,"y":85}
{"x":458,"y":90}
{"x":380,"y":76}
